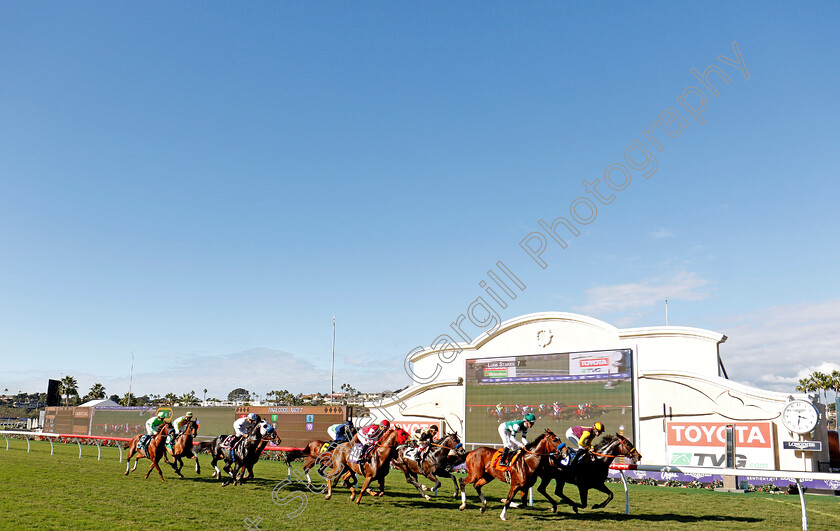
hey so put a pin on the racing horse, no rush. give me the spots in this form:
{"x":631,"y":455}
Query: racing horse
{"x":376,"y":467}
{"x":523,"y":472}
{"x":222,"y":452}
{"x":435,"y":463}
{"x":315,"y":452}
{"x":591,"y":472}
{"x":267,"y":434}
{"x":183,"y":447}
{"x":155,"y":449}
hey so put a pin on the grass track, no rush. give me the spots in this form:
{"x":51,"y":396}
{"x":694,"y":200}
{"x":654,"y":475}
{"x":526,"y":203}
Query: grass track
{"x":39,"y":491}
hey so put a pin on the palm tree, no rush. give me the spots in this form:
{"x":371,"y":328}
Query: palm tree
{"x":97,"y":391}
{"x":171,"y":398}
{"x":189,"y":399}
{"x":129,"y":400}
{"x":68,"y":386}
{"x":822,"y":382}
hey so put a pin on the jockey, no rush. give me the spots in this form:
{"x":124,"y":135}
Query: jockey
{"x":369,"y":435}
{"x":181,"y":420}
{"x":583,"y":436}
{"x":424,"y":438}
{"x":154,"y":423}
{"x":343,"y":432}
{"x":245,"y":424}
{"x":508,"y":431}
{"x":170,"y":439}
{"x":374,"y":432}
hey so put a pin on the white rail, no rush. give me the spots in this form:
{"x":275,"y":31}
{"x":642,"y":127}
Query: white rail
{"x":797,"y":476}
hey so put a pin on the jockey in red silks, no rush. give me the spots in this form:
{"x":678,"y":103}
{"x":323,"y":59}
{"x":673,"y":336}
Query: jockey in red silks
{"x":370,"y":434}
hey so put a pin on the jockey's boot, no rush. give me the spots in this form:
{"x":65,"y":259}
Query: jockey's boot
{"x":505,"y":457}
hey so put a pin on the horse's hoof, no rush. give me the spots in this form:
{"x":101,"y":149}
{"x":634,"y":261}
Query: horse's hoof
{"x":483,"y":508}
{"x":553,"y":508}
{"x":574,"y":508}
{"x":503,"y":517}
{"x":514,"y":505}
{"x":504,"y":501}
{"x":461,"y":508}
{"x":424,"y":487}
{"x":427,"y":497}
{"x":381,"y":494}
{"x":328,"y":496}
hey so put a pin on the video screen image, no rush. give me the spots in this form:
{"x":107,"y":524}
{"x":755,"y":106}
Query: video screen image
{"x":561,"y":389}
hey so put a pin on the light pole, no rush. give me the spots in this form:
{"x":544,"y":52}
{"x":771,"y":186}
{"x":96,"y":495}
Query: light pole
{"x":204,"y":403}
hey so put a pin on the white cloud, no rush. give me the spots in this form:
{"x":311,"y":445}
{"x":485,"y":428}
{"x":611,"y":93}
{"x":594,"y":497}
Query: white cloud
{"x":257,"y":370}
{"x":774,"y":347}
{"x":662,"y":232}
{"x":632,"y":299}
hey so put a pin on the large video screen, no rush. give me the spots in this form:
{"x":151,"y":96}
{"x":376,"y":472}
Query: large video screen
{"x":561,"y":389}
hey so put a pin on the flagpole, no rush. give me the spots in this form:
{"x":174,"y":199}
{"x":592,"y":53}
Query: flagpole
{"x":130,"y":378}
{"x":332,"y":366}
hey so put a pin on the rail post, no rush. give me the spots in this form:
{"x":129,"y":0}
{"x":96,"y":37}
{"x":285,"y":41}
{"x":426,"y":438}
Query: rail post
{"x":802,"y":501}
{"x":626,"y":493}
{"x":80,"y":446}
{"x":7,"y":442}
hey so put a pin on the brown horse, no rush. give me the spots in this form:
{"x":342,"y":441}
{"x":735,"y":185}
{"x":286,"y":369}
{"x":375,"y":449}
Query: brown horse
{"x":523,"y":472}
{"x":154,"y":451}
{"x":436,"y":462}
{"x":376,"y":467}
{"x":591,"y":472}
{"x":183,"y":447}
{"x":311,"y":455}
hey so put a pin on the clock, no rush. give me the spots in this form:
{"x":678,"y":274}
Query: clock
{"x":800,"y":416}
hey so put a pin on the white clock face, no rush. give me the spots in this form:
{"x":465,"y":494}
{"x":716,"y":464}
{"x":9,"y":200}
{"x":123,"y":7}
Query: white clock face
{"x":800,"y":416}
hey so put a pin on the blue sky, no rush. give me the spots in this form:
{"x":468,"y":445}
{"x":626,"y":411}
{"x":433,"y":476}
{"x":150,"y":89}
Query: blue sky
{"x":207,"y":184}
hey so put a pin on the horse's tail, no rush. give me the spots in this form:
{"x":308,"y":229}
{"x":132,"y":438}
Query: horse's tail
{"x":202,"y":446}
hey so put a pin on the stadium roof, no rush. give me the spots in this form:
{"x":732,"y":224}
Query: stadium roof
{"x":99,"y":403}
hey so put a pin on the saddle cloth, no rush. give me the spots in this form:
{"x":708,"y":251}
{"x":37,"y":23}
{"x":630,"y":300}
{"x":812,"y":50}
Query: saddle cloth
{"x":494,"y":461}
{"x":358,"y":454}
{"x":411,"y":453}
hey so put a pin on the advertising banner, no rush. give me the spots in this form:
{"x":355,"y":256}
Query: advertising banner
{"x":704,"y":444}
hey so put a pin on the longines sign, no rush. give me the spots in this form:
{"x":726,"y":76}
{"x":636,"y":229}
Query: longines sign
{"x":805,"y":446}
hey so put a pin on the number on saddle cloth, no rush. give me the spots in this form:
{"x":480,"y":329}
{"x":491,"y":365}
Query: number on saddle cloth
{"x":358,"y":454}
{"x":143,"y":443}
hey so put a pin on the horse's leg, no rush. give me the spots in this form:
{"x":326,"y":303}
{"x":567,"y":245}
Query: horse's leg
{"x":478,"y":484}
{"x":457,"y":485}
{"x":542,"y":490}
{"x":558,"y":491}
{"x":308,"y":463}
{"x":213,"y":461}
{"x":511,"y":493}
{"x":412,"y":479}
{"x":470,"y":478}
{"x":603,"y":488}
{"x":365,"y":486}
{"x":431,"y":476}
{"x":132,"y":451}
{"x":584,"y":491}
